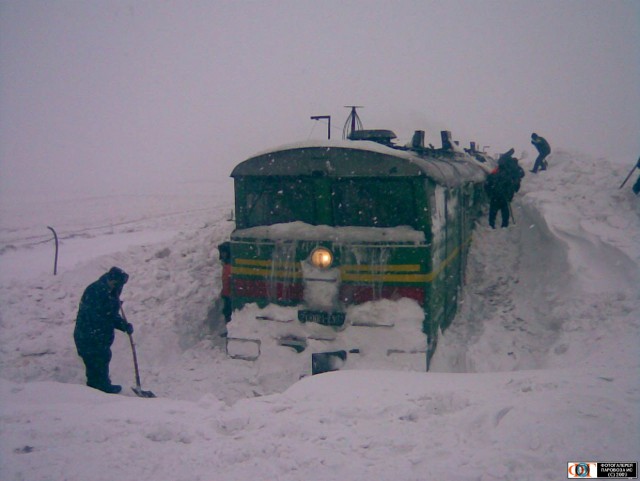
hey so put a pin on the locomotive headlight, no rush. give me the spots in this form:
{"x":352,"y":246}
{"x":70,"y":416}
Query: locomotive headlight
{"x":321,"y":257}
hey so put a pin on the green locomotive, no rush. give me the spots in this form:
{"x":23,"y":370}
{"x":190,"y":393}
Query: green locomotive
{"x":330,"y":234}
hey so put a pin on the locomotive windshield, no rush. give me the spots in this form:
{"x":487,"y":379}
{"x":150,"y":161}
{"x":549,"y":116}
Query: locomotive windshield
{"x":373,"y":202}
{"x":361,"y":202}
{"x":278,"y":200}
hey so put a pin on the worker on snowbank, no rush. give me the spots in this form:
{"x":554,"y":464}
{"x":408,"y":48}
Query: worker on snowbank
{"x":543,"y":148}
{"x":98,"y":316}
{"x":501,"y":185}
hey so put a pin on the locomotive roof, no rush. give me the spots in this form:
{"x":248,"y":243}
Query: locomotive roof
{"x":344,"y":158}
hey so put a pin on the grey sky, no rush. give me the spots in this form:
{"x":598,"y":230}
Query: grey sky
{"x":96,"y":96}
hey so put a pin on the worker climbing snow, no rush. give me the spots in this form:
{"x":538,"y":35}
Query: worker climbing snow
{"x":543,"y":148}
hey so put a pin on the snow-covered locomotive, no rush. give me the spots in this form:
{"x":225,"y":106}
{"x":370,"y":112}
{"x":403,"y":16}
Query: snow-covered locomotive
{"x":349,"y":253}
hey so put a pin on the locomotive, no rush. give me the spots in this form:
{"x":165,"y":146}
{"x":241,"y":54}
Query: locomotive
{"x":349,"y":253}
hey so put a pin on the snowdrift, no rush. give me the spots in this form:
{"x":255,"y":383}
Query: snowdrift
{"x":539,"y":368}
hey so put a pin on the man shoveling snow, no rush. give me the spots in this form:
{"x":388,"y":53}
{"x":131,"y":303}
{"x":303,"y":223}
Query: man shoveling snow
{"x":98,"y":316}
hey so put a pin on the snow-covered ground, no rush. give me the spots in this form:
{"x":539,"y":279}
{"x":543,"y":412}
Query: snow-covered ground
{"x":540,"y":368}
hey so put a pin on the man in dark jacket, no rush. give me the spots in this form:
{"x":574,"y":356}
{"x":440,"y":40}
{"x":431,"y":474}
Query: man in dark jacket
{"x":98,"y":316}
{"x":501,"y":186}
{"x":544,"y":149}
{"x":636,"y":186}
{"x":509,"y":166}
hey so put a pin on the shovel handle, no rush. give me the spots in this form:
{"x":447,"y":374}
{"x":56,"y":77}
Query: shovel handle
{"x":133,"y":350}
{"x":637,"y":166}
{"x":135,"y":360}
{"x":138,"y":389}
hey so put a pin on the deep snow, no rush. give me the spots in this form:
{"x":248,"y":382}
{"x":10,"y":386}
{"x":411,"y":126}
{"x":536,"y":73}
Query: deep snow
{"x":539,"y":368}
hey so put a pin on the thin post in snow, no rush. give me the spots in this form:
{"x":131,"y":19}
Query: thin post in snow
{"x":55,"y":262}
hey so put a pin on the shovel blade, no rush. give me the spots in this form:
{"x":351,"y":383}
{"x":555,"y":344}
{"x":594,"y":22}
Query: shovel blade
{"x":140,"y":393}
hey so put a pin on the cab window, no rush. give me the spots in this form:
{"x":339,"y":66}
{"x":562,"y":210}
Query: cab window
{"x":373,"y":203}
{"x":273,"y":201}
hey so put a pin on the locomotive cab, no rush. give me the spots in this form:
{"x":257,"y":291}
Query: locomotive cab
{"x":324,"y":229}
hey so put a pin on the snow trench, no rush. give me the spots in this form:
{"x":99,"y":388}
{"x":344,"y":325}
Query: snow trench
{"x":534,"y":291}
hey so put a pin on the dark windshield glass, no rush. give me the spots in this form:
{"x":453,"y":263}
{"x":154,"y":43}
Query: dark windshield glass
{"x":272,"y":201}
{"x":373,"y":203}
{"x":369,"y":202}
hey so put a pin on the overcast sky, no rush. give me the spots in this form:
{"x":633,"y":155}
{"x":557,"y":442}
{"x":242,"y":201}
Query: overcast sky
{"x":99,"y":96}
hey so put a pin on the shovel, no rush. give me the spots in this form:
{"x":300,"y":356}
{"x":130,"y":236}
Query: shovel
{"x":138,"y":389}
{"x":637,"y":166}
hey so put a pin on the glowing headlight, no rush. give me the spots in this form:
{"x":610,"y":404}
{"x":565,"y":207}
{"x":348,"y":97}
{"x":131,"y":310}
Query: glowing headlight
{"x":321,"y":258}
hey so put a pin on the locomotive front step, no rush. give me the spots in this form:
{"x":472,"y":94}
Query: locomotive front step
{"x":381,"y":323}
{"x":327,"y":361}
{"x":243,"y":349}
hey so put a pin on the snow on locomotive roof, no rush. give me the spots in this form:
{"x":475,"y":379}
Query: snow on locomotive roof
{"x":346,"y":144}
{"x":348,"y":158}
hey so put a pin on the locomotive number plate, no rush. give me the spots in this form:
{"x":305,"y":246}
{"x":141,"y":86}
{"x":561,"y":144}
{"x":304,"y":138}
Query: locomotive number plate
{"x":323,"y":318}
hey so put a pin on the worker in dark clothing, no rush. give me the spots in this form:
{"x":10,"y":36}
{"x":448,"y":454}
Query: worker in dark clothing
{"x":510,"y":166}
{"x":98,"y":316}
{"x":501,"y":186}
{"x":541,"y":144}
{"x":636,"y":186}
